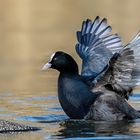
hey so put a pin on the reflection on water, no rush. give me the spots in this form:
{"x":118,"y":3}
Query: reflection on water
{"x":93,"y":129}
{"x":30,"y":31}
{"x":45,"y":112}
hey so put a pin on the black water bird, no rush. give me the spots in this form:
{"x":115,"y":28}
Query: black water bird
{"x":109,"y":73}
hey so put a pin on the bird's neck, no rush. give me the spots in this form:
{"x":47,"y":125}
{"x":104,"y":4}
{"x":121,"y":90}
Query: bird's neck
{"x":69,"y":68}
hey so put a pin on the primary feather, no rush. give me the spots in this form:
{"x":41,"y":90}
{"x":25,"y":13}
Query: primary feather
{"x":96,"y":46}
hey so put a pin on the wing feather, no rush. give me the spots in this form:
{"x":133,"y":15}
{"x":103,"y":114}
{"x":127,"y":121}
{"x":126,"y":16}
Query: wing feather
{"x":96,"y":46}
{"x":123,"y":73}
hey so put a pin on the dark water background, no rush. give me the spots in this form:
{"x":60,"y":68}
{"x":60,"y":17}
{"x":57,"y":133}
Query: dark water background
{"x":30,"y":31}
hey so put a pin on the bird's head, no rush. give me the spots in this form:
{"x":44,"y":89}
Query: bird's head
{"x":62,"y":62}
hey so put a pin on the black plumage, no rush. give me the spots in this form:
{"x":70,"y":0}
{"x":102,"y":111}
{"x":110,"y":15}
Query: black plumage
{"x":109,"y":74}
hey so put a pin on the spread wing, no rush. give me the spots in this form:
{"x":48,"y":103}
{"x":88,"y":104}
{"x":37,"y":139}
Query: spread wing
{"x":96,"y":46}
{"x":123,"y":73}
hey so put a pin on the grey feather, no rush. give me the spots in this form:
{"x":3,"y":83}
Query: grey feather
{"x":118,"y":75}
{"x":123,"y":73}
{"x":110,"y":107}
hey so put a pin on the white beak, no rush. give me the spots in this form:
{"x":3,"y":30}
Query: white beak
{"x":46,"y":66}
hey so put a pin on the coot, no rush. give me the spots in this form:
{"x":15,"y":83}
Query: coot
{"x":109,"y":73}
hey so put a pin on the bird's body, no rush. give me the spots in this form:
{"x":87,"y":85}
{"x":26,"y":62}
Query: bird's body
{"x":79,"y":102}
{"x":109,"y":74}
{"x":75,"y":96}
